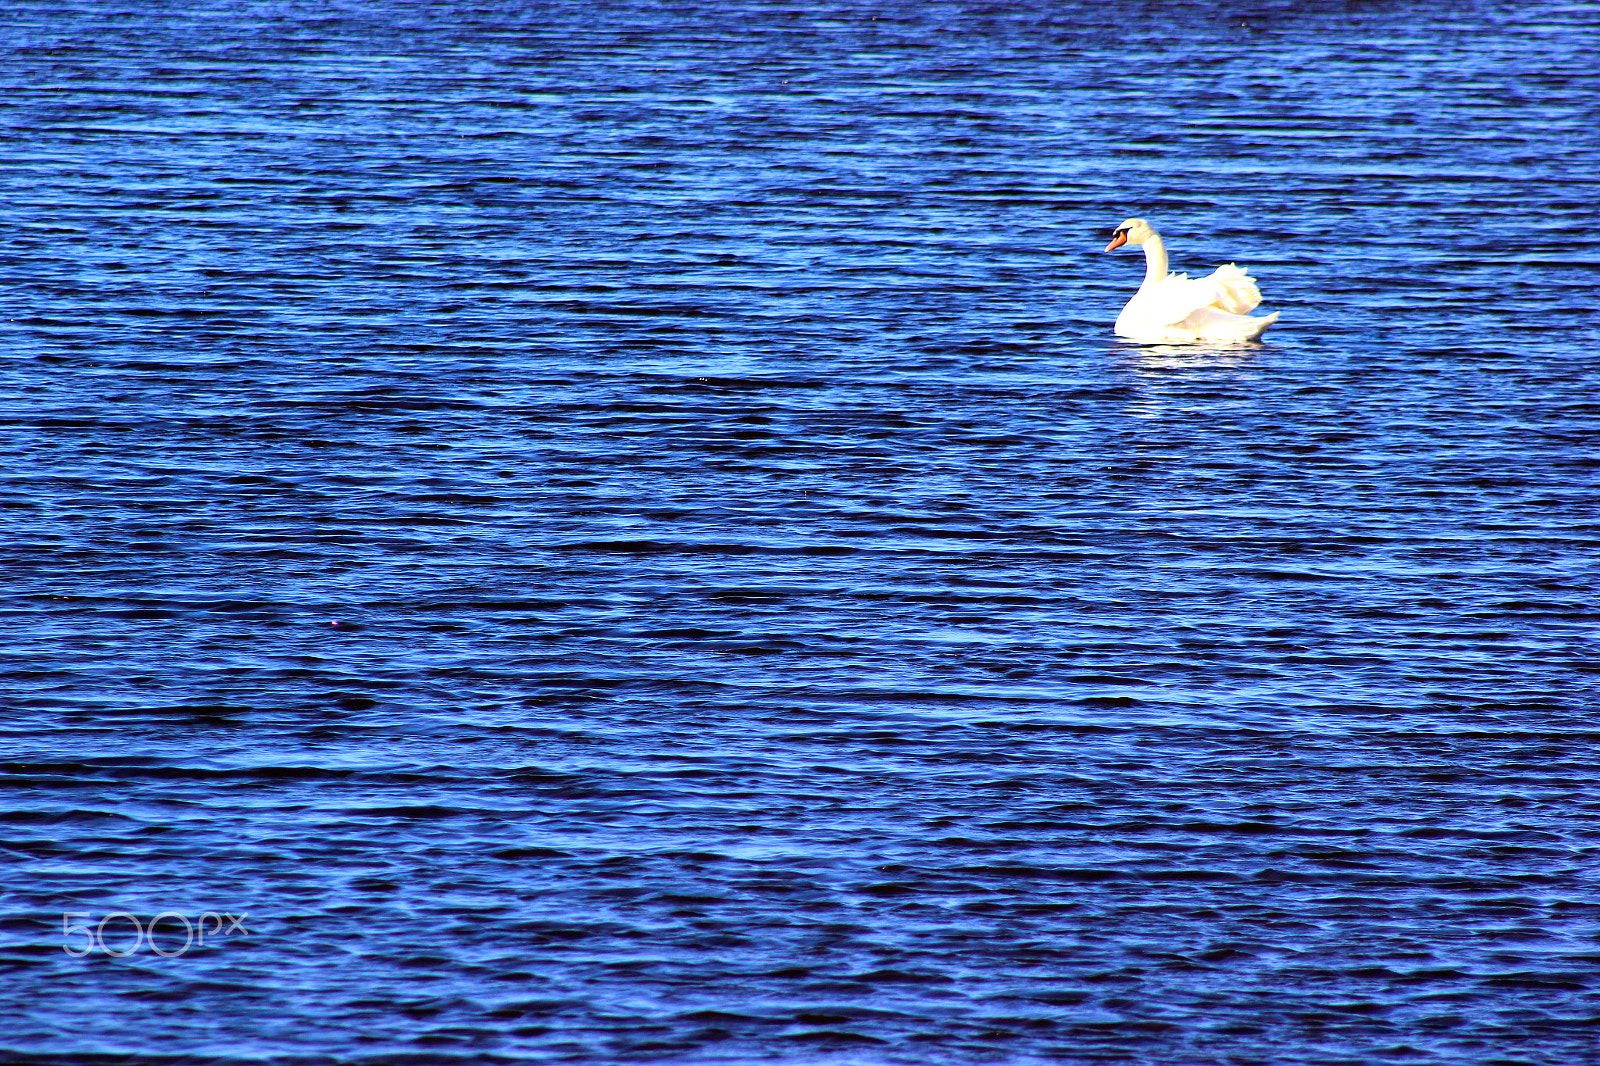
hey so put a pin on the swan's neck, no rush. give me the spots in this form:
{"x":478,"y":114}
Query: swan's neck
{"x":1155,"y":260}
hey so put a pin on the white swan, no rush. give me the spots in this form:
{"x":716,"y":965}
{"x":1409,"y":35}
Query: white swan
{"x":1175,"y":309}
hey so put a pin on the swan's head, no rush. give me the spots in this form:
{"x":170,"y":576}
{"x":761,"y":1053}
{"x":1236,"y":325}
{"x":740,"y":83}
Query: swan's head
{"x":1132,"y":231}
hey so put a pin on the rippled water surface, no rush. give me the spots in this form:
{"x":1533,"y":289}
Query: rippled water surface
{"x":620,"y":532}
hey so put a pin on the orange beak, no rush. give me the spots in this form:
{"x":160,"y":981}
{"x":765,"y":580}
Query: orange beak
{"x":1117,"y":241}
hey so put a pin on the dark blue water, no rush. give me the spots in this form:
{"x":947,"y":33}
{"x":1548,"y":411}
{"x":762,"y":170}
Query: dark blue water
{"x":621,"y":532}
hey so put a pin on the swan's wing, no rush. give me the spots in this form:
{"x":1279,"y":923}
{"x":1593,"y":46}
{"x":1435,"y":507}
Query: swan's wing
{"x":1174,"y":298}
{"x":1178,"y":296}
{"x":1211,"y":324}
{"x":1237,"y":292}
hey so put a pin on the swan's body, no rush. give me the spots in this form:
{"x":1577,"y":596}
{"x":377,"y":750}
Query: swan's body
{"x":1177,"y":309}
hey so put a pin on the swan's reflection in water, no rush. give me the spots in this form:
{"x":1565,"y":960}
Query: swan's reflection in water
{"x":1164,"y":372}
{"x":1166,"y":357}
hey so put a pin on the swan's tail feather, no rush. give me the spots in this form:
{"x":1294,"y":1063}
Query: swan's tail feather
{"x":1237,"y":293}
{"x":1259,"y":326}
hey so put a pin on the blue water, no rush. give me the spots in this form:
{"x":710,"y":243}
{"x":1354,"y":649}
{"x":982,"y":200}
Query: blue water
{"x":621,"y":532}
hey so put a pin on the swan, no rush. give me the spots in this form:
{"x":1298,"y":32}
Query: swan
{"x":1175,"y":309}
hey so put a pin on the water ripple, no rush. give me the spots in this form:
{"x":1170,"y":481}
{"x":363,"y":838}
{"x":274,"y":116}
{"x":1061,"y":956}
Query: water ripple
{"x":620,"y":533}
